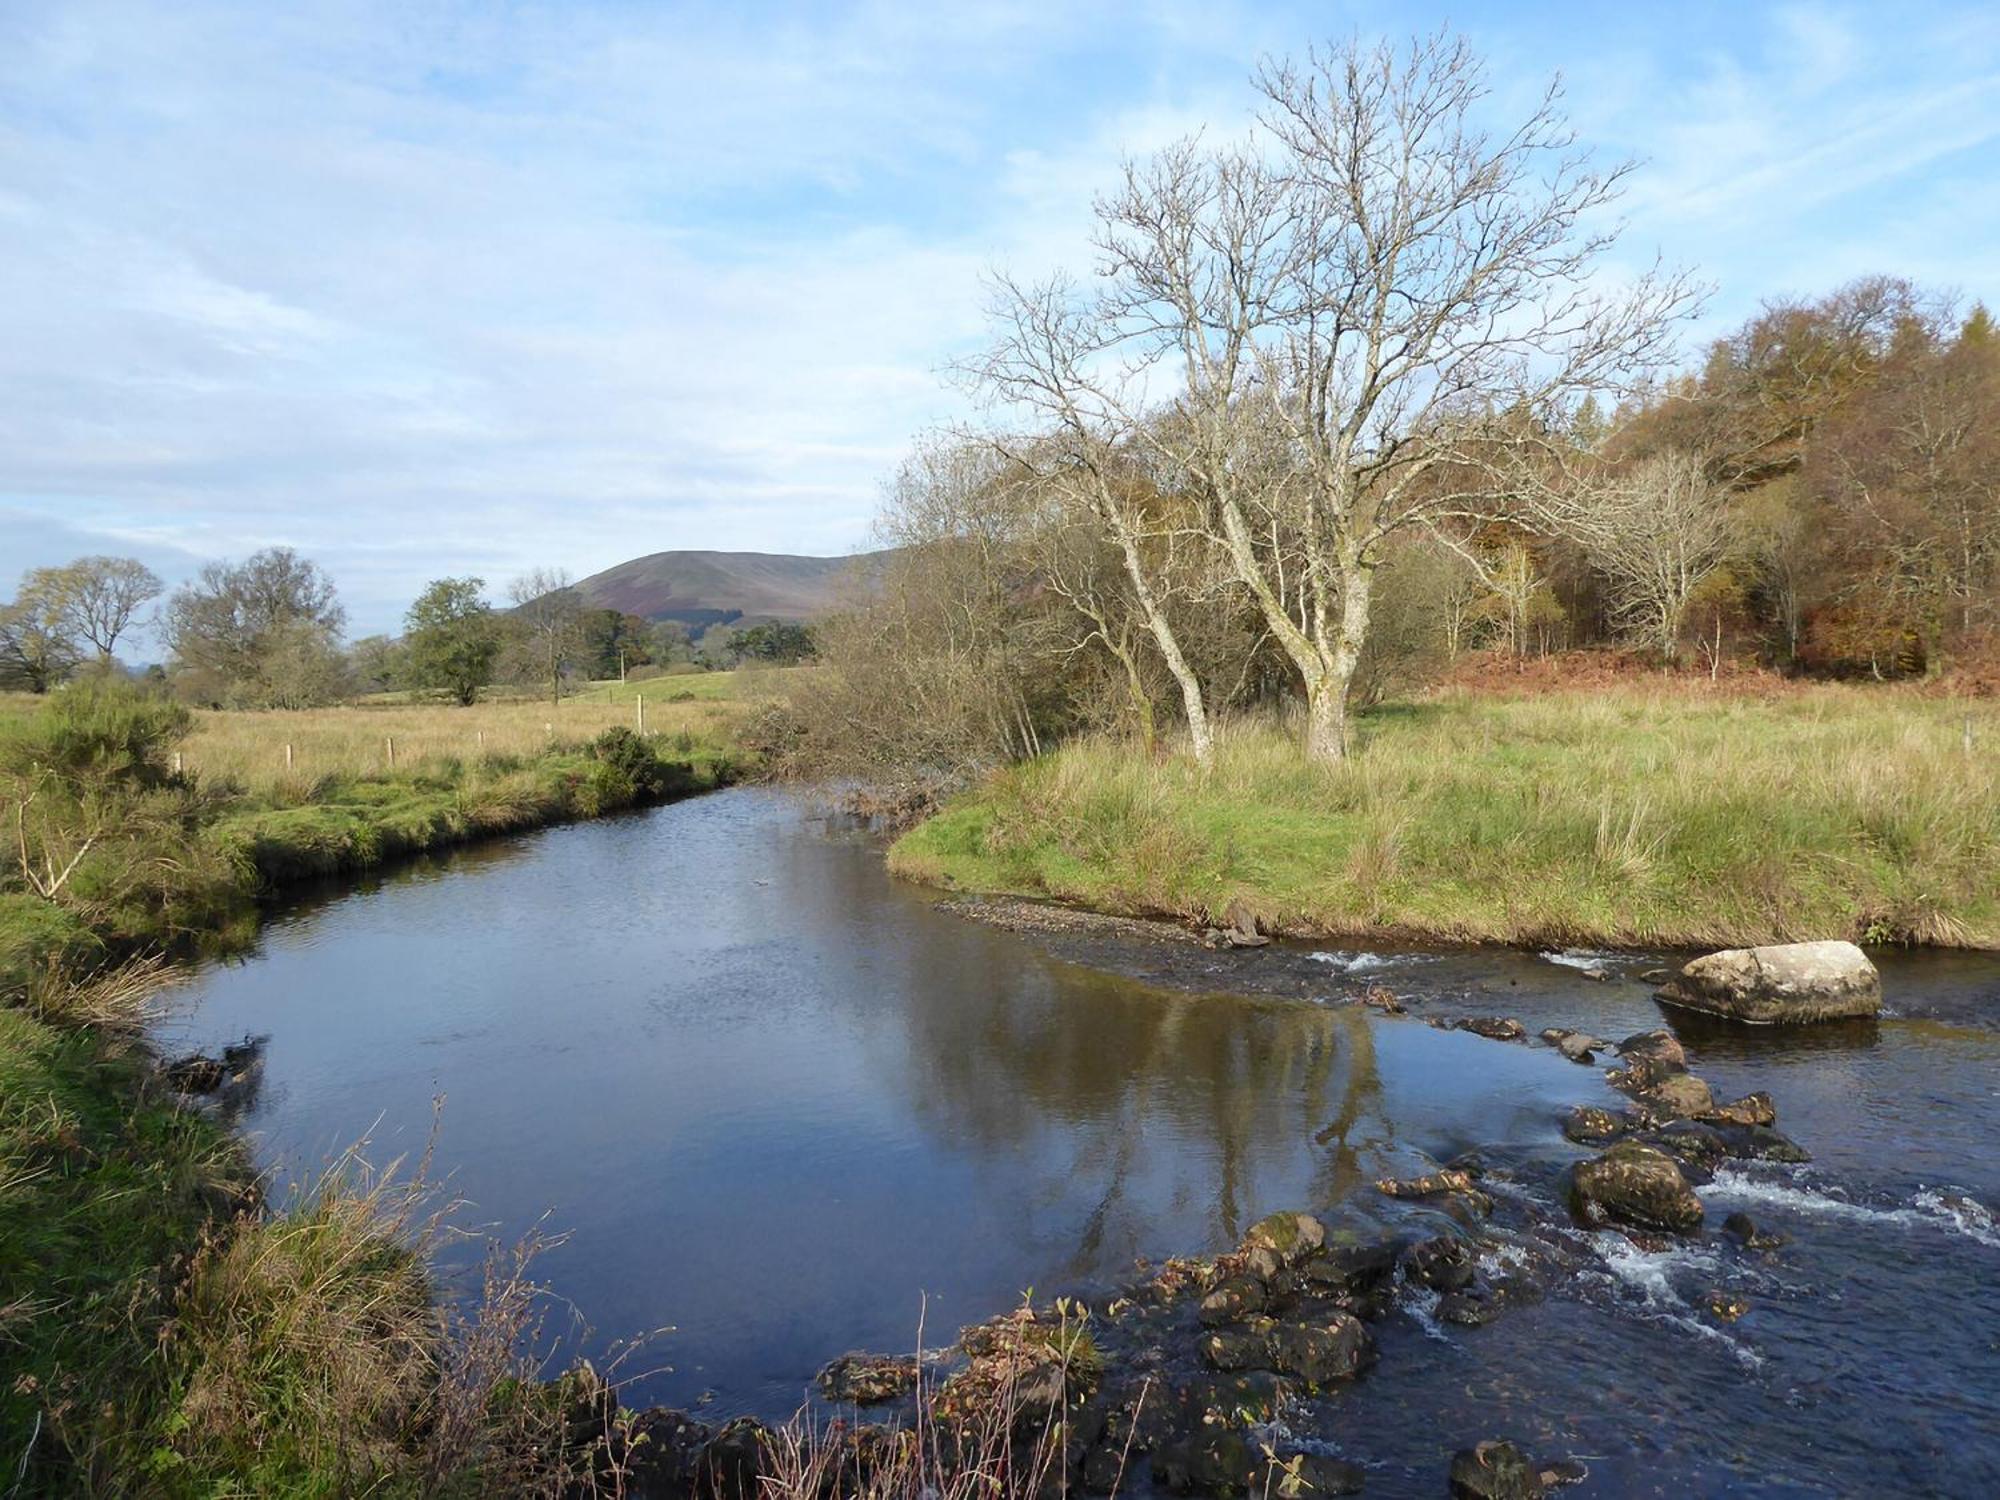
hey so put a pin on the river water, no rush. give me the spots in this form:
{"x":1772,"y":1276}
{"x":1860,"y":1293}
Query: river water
{"x":781,"y":1106}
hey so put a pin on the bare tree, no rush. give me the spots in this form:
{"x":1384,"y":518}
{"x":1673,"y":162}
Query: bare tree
{"x":105,"y":593}
{"x":1391,"y":301}
{"x":551,"y":617}
{"x":1656,"y":533}
{"x":1046,"y":361}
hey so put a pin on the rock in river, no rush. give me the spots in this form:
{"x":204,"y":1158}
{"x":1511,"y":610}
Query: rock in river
{"x":865,"y":1379}
{"x":1494,"y":1471}
{"x":1635,"y":1185}
{"x":1782,"y":983}
{"x":1290,"y":1236}
{"x":1589,"y":1126}
{"x":1334,"y":1349}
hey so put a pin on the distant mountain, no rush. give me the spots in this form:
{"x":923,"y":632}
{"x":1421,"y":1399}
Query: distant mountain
{"x":704,"y":589}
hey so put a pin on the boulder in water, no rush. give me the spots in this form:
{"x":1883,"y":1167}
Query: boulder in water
{"x":1494,"y":1028}
{"x":1782,"y":984}
{"x":1300,"y":1475}
{"x":1335,"y":1349}
{"x":1234,"y":1298}
{"x":1588,"y":1125}
{"x":867,"y":1379}
{"x":1676,"y":1096}
{"x":1290,"y":1236}
{"x":1636,"y":1185}
{"x":1494,"y":1471}
{"x":1751,"y":1109}
{"x":1744,"y":1228}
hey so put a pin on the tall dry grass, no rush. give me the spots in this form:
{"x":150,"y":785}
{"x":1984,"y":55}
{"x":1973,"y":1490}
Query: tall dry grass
{"x":248,"y":748}
{"x":1626,"y":815}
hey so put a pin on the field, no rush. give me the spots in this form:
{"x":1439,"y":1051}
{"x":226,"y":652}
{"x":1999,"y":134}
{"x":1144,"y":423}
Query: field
{"x":1629,"y":815}
{"x":248,"y":749}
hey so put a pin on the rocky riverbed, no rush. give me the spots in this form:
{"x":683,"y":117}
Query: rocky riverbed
{"x":1198,"y":1378}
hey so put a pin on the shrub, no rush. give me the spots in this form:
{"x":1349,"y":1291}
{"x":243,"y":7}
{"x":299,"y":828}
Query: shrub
{"x":645,"y":775}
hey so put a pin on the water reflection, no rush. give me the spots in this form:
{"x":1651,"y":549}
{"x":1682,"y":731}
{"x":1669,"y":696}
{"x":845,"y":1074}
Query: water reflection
{"x":776,"y":1099}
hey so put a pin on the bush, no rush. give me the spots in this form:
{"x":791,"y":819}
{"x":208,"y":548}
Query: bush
{"x":645,"y":776}
{"x":98,"y":730}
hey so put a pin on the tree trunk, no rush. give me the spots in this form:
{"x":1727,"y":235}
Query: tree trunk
{"x":1200,"y":735}
{"x":1327,"y":689}
{"x":1326,"y":719}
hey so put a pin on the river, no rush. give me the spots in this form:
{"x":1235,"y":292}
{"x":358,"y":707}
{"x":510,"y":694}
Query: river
{"x":780,"y":1106}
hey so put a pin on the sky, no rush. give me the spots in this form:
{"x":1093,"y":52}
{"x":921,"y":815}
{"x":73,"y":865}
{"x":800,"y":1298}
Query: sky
{"x":427,"y":289}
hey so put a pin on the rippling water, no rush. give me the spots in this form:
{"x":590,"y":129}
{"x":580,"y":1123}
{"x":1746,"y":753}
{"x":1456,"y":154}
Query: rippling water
{"x":779,"y":1103}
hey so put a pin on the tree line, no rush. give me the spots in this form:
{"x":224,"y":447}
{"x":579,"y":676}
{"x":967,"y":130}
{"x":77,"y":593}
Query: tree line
{"x":1363,"y":391}
{"x":267,"y":632}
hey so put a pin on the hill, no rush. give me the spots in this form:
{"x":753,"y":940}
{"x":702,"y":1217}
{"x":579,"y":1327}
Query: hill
{"x":703,"y":589}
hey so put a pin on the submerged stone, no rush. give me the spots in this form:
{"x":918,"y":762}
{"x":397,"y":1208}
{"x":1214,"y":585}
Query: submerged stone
{"x":1744,"y":1228}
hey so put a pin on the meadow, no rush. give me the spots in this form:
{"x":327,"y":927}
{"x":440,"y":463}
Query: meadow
{"x":391,"y":734}
{"x":1626,"y":815}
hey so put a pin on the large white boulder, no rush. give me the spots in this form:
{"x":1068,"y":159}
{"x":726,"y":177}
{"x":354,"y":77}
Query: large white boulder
{"x":1781,"y":983}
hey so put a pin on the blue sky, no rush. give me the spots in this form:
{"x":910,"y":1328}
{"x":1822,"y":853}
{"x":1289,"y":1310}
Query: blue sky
{"x":424,"y":288}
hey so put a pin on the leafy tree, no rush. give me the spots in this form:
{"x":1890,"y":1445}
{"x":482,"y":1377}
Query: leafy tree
{"x":451,"y":640}
{"x":377,"y":663}
{"x":614,"y":641}
{"x":104,"y":594}
{"x":780,"y":642}
{"x":38,"y":635}
{"x":260,"y":633}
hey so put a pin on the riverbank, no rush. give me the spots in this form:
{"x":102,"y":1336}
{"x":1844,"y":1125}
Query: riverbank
{"x":161,"y":1330}
{"x":1627,"y":816}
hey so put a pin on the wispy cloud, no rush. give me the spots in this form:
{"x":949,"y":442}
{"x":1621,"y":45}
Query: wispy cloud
{"x":439,"y":287}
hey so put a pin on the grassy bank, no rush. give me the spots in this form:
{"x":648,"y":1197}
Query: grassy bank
{"x":161,"y":1331}
{"x":1627,"y":815}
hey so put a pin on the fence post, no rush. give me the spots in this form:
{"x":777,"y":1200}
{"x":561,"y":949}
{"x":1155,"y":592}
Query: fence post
{"x":392,"y":752}
{"x":288,"y":755}
{"x":640,"y":700}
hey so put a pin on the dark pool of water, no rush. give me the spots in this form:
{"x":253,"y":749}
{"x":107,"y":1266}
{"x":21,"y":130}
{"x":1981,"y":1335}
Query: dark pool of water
{"x":780,"y":1104}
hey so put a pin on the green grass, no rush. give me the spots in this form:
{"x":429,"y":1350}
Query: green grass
{"x":154,"y":1339}
{"x":106,"y":1194}
{"x":346,"y":824}
{"x":1624,"y":816}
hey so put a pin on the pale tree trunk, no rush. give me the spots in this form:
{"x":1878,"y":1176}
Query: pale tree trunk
{"x":1200,"y":736}
{"x":1326,"y":690}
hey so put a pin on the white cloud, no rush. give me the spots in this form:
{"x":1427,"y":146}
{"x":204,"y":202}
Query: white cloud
{"x":427,"y":288}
